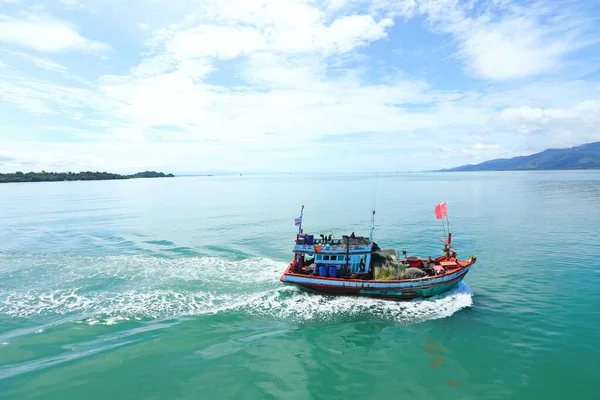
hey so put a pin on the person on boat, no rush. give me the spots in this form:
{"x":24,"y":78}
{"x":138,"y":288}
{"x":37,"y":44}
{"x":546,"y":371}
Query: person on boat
{"x":362,"y":264}
{"x":298,"y":263}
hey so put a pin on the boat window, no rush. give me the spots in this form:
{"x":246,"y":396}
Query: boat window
{"x":326,"y":258}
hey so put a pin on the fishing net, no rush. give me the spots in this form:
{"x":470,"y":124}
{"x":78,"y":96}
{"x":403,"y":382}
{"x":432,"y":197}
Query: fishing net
{"x":389,"y":272}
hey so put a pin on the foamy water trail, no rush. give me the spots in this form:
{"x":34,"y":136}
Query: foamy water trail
{"x":106,"y":290}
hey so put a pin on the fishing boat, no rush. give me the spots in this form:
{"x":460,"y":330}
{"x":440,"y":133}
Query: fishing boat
{"x":357,"y":266}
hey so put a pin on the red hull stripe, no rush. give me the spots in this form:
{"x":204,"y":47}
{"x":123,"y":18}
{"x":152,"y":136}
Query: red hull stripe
{"x":340,"y":290}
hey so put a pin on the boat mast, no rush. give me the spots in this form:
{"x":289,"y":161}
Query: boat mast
{"x":300,"y":225}
{"x":372,"y":226}
{"x":373,"y":208}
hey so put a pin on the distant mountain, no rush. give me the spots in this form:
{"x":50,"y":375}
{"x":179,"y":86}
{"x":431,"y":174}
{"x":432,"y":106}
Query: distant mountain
{"x":586,"y":156}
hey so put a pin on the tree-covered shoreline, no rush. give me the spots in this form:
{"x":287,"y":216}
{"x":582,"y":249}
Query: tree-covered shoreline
{"x":75,"y":176}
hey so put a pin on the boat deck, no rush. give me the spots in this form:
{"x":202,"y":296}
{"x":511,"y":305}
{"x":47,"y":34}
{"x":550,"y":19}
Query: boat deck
{"x":441,"y":266}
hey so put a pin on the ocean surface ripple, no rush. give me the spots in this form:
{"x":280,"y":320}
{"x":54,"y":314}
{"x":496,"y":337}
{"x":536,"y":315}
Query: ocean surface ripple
{"x":169,"y":288}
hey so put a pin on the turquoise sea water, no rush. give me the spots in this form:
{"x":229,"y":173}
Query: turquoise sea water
{"x":169,"y":289}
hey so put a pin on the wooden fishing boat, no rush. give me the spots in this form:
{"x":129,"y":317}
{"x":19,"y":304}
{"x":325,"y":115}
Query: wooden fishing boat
{"x":355,"y":265}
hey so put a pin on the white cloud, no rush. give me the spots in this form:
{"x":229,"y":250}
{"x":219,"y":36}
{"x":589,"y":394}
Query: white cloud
{"x":285,"y":72}
{"x":507,"y":41}
{"x":40,"y":62}
{"x":71,"y":3}
{"x":282,"y":26}
{"x":45,"y":34}
{"x":265,"y":84}
{"x":42,"y":97}
{"x":513,"y":48}
{"x":336,"y":4}
{"x":225,"y":129}
{"x":215,"y":41}
{"x":581,"y":120}
{"x":347,"y":33}
{"x":283,"y":47}
{"x":154,"y":65}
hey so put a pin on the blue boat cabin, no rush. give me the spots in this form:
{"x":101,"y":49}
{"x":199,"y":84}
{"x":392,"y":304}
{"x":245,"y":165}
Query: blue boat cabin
{"x":328,"y":256}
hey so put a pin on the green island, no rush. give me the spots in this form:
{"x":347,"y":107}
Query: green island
{"x":75,"y":176}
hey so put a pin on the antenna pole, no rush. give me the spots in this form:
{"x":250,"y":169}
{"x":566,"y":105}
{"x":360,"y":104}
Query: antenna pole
{"x":300,"y":226}
{"x":373,"y":214}
{"x":444,"y":228}
{"x":372,"y":226}
{"x":449,"y":234}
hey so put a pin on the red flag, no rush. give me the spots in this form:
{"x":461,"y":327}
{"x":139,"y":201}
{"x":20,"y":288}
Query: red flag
{"x":441,"y":211}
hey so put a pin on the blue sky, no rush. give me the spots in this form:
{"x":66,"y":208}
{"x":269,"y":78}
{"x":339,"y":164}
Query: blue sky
{"x":293,"y":85}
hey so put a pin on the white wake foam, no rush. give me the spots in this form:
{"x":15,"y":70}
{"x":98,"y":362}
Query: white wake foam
{"x":106,"y":290}
{"x":303,"y":306}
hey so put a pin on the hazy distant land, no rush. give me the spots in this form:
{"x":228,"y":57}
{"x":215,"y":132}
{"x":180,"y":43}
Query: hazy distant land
{"x":585,"y":156}
{"x":75,"y":176}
